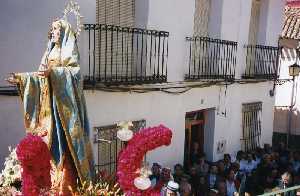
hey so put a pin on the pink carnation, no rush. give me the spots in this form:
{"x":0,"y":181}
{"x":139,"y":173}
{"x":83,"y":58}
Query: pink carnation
{"x":34,"y":156}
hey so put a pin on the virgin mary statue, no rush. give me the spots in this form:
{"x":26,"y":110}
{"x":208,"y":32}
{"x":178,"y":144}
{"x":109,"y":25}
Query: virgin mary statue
{"x":54,"y":106}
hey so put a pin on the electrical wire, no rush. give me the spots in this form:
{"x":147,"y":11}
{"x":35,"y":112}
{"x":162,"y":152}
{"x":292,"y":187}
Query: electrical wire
{"x":179,"y":87}
{"x":175,"y":88}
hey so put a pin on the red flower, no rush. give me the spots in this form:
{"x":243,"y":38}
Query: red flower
{"x":130,"y":158}
{"x":34,"y":156}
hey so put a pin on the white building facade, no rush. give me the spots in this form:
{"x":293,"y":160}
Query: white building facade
{"x":206,"y":71}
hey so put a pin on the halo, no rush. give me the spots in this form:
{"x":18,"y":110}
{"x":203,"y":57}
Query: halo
{"x":73,"y":7}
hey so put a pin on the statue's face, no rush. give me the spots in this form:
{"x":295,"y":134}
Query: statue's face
{"x":55,"y":32}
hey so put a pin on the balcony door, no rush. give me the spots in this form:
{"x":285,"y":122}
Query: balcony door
{"x":252,"y":38}
{"x":114,"y":48}
{"x":207,"y":53}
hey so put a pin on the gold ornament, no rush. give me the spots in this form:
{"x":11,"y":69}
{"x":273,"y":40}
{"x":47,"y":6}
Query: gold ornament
{"x":73,"y":7}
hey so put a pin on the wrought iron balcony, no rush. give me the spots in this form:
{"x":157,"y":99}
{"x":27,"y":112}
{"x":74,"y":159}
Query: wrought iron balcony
{"x":261,"y":62}
{"x":122,"y":55}
{"x":211,"y":59}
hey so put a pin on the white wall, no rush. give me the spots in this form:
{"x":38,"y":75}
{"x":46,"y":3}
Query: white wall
{"x":274,"y":22}
{"x":230,"y":19}
{"x":176,"y":17}
{"x":209,"y":132}
{"x":271,"y":22}
{"x":141,"y":13}
{"x":158,"y":107}
{"x":24,"y":26}
{"x":263,"y":22}
{"x":24,"y":29}
{"x":284,"y":93}
{"x":243,"y":34}
{"x":215,"y":19}
{"x":12,"y":124}
{"x":233,"y":122}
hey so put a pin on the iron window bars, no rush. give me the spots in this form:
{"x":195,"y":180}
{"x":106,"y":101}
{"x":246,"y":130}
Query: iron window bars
{"x":251,"y":122}
{"x":108,"y":146}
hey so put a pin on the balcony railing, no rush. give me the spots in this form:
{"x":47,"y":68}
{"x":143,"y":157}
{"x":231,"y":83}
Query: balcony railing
{"x":211,"y":59}
{"x":123,"y":55}
{"x":261,"y":62}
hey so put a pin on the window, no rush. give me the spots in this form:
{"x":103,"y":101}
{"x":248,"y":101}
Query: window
{"x":208,"y":58}
{"x":110,"y":40}
{"x":108,"y":146}
{"x":201,"y":17}
{"x":251,"y":125}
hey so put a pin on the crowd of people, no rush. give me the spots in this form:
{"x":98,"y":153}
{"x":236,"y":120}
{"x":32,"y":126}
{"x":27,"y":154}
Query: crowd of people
{"x":248,"y":173}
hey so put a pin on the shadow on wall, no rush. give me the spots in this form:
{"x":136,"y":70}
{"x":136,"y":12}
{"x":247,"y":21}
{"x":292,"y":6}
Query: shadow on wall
{"x":280,"y":122}
{"x":281,"y":125}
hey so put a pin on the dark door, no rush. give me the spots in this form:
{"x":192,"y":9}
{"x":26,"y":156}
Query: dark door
{"x":194,"y":136}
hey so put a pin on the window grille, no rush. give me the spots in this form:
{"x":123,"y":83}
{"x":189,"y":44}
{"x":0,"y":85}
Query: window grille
{"x":251,"y":125}
{"x":109,"y":146}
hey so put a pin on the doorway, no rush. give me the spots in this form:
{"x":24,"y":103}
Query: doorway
{"x":194,"y":136}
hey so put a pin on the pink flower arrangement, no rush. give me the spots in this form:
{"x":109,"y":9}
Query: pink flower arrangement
{"x":34,"y":156}
{"x":131,"y":157}
{"x":293,"y":3}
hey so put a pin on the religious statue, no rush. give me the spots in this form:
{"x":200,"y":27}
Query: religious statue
{"x":55,"y":109}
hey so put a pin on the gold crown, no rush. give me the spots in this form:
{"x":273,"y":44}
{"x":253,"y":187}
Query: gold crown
{"x":73,"y":7}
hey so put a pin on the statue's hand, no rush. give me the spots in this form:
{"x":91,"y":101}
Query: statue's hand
{"x":12,"y":79}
